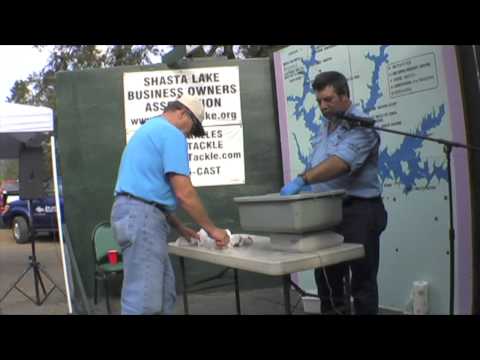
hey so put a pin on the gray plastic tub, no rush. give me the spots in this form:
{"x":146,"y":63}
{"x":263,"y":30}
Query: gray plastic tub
{"x":294,"y":214}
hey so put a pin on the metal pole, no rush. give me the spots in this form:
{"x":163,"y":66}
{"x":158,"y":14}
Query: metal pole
{"x":286,"y":294}
{"x":184,"y":282}
{"x":237,"y":291}
{"x":33,"y":258}
{"x":58,"y":207}
{"x":451,"y":232}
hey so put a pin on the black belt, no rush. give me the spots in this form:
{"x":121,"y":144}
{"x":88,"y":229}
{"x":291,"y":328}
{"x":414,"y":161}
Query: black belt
{"x":351,"y":199}
{"x":153,"y":203}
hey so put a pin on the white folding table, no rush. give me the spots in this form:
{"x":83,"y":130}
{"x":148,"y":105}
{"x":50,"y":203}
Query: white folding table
{"x":261,"y":258}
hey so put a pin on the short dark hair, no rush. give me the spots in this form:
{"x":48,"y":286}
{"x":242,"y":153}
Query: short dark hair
{"x":173,"y":106}
{"x":333,"y":78}
{"x":198,"y":130}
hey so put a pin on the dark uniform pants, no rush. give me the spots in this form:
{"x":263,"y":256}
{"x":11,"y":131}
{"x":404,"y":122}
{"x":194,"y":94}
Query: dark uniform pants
{"x":363,"y":222}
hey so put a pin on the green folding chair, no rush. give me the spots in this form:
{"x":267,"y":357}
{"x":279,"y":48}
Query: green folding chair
{"x":103,"y":241}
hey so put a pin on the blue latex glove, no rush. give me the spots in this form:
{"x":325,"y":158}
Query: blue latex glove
{"x":293,"y":187}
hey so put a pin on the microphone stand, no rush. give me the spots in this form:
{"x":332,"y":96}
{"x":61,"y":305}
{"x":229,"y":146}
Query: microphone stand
{"x":447,"y":148}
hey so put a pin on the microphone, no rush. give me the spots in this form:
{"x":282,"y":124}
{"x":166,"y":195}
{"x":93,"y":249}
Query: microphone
{"x":356,"y":120}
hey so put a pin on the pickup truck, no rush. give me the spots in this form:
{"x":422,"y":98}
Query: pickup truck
{"x":24,"y":222}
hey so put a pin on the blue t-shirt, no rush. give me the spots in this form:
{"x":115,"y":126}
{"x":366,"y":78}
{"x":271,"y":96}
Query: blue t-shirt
{"x":359,"y":148}
{"x":156,"y":149}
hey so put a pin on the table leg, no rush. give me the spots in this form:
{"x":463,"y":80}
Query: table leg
{"x":237,"y":291}
{"x":184,"y":282}
{"x":348,"y":293}
{"x":286,"y":294}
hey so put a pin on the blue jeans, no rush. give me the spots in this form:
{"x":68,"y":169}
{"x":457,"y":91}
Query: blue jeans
{"x":141,"y":230}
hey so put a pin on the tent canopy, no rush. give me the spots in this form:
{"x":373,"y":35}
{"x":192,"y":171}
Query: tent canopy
{"x":22,"y":124}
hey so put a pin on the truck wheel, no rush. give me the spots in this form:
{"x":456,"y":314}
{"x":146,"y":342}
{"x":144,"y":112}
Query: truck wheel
{"x":21,"y":231}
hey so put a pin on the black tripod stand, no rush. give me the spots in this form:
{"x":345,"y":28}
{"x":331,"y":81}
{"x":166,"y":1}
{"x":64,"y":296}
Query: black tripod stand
{"x":447,"y":148}
{"x":37,"y":275}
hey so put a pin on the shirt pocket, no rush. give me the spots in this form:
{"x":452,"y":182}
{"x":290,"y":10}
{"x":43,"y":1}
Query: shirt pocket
{"x":333,"y":143}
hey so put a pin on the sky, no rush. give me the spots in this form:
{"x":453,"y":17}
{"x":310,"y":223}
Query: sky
{"x":19,"y":61}
{"x":16,"y":63}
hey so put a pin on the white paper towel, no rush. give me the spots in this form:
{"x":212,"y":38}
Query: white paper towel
{"x":205,"y":241}
{"x":420,"y":298}
{"x":418,"y":302}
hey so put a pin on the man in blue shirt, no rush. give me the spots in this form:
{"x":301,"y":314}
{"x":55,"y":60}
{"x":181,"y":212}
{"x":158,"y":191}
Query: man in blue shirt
{"x":154,"y":176}
{"x":346,"y":157}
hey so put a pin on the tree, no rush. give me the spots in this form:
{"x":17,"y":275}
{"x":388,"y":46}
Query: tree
{"x":39,"y":87}
{"x":8,"y":169}
{"x":235,"y":51}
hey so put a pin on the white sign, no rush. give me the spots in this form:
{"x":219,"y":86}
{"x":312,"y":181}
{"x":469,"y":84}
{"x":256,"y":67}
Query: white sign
{"x":217,"y":158}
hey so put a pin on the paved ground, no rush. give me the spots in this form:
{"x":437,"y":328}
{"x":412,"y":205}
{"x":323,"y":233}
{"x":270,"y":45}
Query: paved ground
{"x":217,"y":301}
{"x":13,"y":262}
{"x":253,"y":302}
{"x":221,"y":301}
